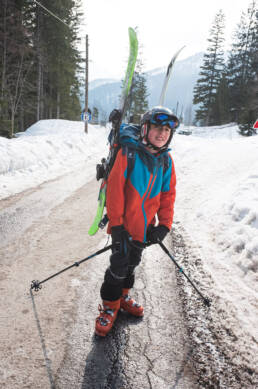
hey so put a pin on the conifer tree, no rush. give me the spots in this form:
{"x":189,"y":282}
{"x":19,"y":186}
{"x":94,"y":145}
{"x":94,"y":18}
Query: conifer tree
{"x":210,"y":76}
{"x":221,"y":109}
{"x":95,"y":115}
{"x":243,"y":71}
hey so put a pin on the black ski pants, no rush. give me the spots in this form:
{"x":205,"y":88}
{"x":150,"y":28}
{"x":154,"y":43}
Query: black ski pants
{"x":120,"y":273}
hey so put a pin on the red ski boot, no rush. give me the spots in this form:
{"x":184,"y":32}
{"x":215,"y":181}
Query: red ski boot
{"x":107,"y":317}
{"x":128,"y":304}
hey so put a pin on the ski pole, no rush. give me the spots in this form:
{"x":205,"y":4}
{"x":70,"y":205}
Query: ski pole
{"x":206,"y":300}
{"x":35,"y":284}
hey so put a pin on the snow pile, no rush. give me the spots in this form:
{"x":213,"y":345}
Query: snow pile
{"x":48,"y":149}
{"x":223,"y":352}
{"x":226,"y":131}
{"x":242,"y":212}
{"x":217,"y":203}
{"x":218,"y":183}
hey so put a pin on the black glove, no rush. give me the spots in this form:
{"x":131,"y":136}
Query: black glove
{"x":120,"y":236}
{"x":115,"y":116}
{"x":156,"y":234}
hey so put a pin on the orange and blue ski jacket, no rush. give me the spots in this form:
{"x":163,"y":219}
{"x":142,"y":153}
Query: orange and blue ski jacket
{"x":149,"y":191}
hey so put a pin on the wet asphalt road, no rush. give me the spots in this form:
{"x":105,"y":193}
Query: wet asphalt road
{"x":149,"y":352}
{"x":48,"y":341}
{"x":152,"y":352}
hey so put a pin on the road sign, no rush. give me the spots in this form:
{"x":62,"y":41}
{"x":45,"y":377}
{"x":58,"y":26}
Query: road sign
{"x":86,"y":116}
{"x":255,"y":126}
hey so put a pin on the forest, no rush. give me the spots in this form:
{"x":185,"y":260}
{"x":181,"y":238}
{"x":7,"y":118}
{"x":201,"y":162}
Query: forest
{"x":40,"y":63}
{"x":227,"y":88}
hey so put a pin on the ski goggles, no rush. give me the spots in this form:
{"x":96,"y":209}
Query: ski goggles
{"x":163,"y":119}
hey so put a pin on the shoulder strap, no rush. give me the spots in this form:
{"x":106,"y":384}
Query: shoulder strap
{"x":166,"y":162}
{"x":130,"y":152}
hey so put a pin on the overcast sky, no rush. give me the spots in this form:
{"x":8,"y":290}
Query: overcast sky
{"x":164,"y":27}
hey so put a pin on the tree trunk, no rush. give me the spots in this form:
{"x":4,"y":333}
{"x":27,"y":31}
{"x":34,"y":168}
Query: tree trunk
{"x":39,"y":65}
{"x":4,"y":55}
{"x":50,"y":104}
{"x":21,"y":118}
{"x":42,"y":105}
{"x":58,"y":105}
{"x":12,"y":123}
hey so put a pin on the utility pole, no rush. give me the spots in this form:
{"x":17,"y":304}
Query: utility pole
{"x":86,"y":87}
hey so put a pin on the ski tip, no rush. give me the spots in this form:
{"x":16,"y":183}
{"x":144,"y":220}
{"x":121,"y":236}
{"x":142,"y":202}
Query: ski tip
{"x":93,"y":229}
{"x":176,"y":55}
{"x":131,"y":30}
{"x":133,"y":36}
{"x":181,"y":49}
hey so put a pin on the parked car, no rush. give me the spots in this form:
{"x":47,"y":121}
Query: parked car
{"x":184,"y":131}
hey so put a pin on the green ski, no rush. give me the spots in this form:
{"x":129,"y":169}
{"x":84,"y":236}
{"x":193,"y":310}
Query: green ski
{"x":133,"y":41}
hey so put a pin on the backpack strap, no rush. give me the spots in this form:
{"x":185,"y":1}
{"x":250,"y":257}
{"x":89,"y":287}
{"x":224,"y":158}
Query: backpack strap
{"x":165,"y":163}
{"x":130,"y":153}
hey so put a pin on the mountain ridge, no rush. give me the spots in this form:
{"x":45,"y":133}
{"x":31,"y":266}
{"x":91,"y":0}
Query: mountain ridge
{"x":104,"y":93}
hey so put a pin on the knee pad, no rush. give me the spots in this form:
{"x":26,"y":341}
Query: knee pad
{"x":112,"y":278}
{"x":135,"y":257}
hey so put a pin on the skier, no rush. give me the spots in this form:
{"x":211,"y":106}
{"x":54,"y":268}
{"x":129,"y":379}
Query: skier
{"x":133,"y":203}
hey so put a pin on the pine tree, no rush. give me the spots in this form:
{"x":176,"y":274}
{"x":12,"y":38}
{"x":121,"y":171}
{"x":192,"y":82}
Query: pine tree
{"x":95,"y":115}
{"x":210,"y":76}
{"x":221,"y":109}
{"x":243,"y":71}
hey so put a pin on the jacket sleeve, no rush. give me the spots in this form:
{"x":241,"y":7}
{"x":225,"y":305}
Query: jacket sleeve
{"x":115,"y":200}
{"x":168,"y":196}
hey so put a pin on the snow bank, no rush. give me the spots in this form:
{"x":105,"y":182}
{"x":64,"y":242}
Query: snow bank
{"x":218,"y":178}
{"x":217,"y":203}
{"x":242,"y":214}
{"x":226,"y":131}
{"x":46,"y":150}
